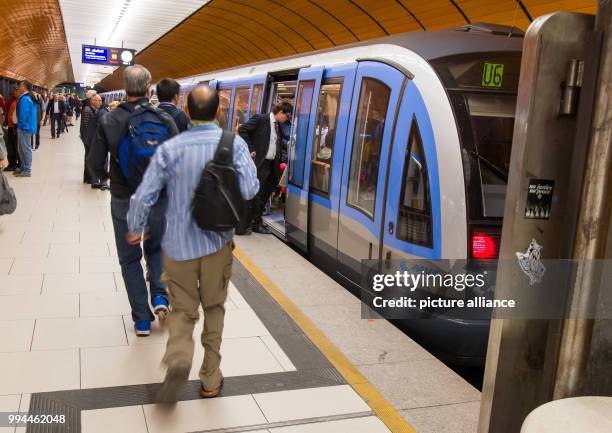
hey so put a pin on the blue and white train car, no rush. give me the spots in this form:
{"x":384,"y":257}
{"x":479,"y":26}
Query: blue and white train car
{"x":399,"y":148}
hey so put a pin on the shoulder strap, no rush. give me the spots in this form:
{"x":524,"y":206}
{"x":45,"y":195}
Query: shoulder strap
{"x":226,"y":145}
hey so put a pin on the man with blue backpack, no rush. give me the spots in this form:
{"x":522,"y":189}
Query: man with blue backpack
{"x":131,"y":134}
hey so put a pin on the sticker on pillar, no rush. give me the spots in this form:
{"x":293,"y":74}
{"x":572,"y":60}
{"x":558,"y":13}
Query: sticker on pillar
{"x":539,"y":199}
{"x":530,"y":262}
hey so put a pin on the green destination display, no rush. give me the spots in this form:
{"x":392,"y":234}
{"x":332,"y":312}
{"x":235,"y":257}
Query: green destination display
{"x":492,"y":74}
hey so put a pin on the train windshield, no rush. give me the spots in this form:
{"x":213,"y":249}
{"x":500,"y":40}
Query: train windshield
{"x":482,"y":88}
{"x":492,"y":121}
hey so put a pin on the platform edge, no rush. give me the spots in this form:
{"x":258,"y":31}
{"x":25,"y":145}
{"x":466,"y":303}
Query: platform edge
{"x":379,"y":404}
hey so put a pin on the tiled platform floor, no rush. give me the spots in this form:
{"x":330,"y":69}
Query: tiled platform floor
{"x":66,"y":326}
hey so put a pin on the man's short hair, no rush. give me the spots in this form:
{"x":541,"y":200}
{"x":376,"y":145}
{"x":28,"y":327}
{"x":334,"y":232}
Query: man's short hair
{"x":203,"y":108}
{"x":167,"y":89}
{"x":27,"y":84}
{"x":90,"y":94}
{"x":283,"y":106}
{"x":136,"y":80}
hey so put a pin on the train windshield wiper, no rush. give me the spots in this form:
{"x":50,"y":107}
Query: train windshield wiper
{"x":494,"y":168}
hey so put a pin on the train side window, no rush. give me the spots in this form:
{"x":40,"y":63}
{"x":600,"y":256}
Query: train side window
{"x":256,"y":99}
{"x":414,"y":221}
{"x":299,"y":132}
{"x":367,"y":142}
{"x":225,"y":96}
{"x":241,"y":103}
{"x":325,"y":136}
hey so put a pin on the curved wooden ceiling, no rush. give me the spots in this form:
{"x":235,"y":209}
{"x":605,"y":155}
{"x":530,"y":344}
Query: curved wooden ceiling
{"x":33,"y":42}
{"x":227,"y":33}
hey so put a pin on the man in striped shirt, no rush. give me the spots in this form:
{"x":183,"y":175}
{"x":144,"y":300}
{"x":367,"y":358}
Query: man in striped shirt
{"x":197,"y":263}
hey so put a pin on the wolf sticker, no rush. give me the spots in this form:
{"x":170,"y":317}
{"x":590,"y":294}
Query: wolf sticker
{"x":530,"y":262}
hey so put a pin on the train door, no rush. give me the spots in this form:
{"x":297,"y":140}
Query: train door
{"x":373,"y":110}
{"x":330,"y":129}
{"x":411,"y":226}
{"x":300,"y":145}
{"x":280,"y":86}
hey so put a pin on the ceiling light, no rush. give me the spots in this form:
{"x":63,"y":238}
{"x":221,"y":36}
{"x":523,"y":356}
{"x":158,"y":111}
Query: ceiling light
{"x":124,"y":8}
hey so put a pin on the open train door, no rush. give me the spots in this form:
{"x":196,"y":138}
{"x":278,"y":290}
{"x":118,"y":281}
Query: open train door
{"x":300,"y":145}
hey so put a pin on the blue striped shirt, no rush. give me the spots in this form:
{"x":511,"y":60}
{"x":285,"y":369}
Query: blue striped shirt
{"x":177,"y":165}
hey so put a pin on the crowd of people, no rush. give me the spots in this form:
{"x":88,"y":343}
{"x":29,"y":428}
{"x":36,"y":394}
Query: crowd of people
{"x":23,"y":115}
{"x":155,"y":157}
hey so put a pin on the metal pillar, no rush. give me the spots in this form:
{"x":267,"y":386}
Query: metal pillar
{"x":523,"y":352}
{"x":531,"y":361}
{"x":580,"y":345}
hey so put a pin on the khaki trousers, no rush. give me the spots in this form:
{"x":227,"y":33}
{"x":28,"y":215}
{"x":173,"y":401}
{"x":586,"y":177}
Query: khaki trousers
{"x":204,"y":281}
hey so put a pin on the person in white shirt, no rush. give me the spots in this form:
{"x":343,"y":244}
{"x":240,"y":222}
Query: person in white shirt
{"x":55,"y":111}
{"x":262,"y":133}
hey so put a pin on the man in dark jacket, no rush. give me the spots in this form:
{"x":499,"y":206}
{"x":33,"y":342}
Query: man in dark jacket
{"x":40,"y":113}
{"x":112,"y":129}
{"x":56,"y":110}
{"x":168,"y":96}
{"x":95,"y":104}
{"x":88,"y":113}
{"x":263,"y":135}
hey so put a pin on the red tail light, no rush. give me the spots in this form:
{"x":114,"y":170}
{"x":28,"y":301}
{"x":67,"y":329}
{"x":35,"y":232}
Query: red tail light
{"x":484,"y":246}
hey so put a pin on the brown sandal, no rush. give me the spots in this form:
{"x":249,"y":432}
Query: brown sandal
{"x":213,"y":392}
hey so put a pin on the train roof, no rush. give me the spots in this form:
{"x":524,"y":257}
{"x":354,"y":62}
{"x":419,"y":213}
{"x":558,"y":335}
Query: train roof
{"x":430,"y":45}
{"x":472,"y":38}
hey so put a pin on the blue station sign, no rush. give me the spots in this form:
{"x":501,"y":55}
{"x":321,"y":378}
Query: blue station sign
{"x":108,"y":56}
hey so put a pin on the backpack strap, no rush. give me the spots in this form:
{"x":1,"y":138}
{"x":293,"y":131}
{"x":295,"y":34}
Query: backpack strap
{"x":225,"y":150}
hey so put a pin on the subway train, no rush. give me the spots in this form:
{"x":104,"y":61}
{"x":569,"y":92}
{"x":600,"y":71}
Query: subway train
{"x":399,"y":149}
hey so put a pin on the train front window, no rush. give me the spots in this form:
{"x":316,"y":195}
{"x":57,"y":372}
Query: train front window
{"x":325,"y":136}
{"x":492,"y":122}
{"x":241,"y":103}
{"x":482,"y":87}
{"x":225,"y":96}
{"x":367,"y":142}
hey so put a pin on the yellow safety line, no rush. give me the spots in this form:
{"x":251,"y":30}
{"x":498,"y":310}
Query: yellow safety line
{"x":380,"y":406}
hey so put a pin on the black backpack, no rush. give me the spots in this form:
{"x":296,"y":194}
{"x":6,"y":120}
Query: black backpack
{"x":218,"y":204}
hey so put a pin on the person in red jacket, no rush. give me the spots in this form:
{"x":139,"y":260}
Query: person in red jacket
{"x":11,"y":132}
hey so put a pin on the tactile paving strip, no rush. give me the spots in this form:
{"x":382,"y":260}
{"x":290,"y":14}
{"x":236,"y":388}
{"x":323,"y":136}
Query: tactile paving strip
{"x":313,"y":369}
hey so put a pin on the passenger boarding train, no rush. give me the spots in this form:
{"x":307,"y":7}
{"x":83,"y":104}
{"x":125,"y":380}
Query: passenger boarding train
{"x":399,"y":148}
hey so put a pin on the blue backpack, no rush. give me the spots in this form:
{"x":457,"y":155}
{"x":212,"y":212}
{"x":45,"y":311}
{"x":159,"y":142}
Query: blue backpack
{"x":146,"y":131}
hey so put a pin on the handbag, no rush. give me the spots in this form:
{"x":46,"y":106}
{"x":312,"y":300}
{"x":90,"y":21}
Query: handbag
{"x":8,"y":200}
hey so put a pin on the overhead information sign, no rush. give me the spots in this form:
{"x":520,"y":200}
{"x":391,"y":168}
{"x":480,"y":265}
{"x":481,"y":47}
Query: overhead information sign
{"x":108,"y":56}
